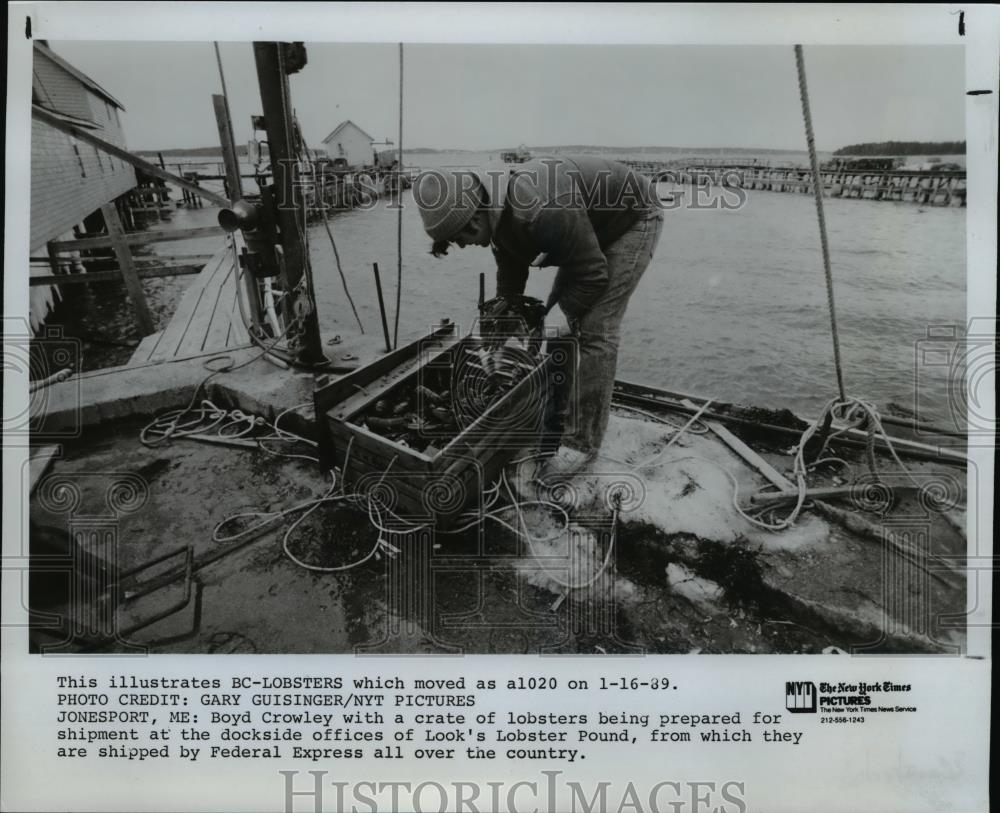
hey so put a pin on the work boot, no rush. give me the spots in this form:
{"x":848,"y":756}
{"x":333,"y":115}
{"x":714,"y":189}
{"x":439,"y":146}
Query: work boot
{"x":566,"y":463}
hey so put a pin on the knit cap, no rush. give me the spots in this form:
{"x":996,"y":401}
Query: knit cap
{"x":447,"y":201}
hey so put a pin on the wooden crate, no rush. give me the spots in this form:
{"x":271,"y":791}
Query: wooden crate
{"x":420,"y":487}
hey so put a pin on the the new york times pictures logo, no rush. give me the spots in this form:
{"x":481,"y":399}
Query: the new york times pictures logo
{"x":800,"y":697}
{"x":804,"y":697}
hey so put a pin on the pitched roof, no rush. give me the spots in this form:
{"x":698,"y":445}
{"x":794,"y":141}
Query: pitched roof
{"x":342,"y":125}
{"x":78,"y":74}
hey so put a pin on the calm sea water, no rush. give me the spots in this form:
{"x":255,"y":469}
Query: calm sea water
{"x":733,"y":305}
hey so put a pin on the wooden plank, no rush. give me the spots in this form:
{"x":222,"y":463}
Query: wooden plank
{"x":146,"y":348}
{"x":140,"y":238}
{"x":196,"y":338}
{"x":174,"y":332}
{"x":667,"y":399}
{"x":116,"y":233}
{"x":192,"y":336}
{"x":114,"y":276}
{"x":238,"y":334}
{"x":363,"y":395}
{"x":826,"y":493}
{"x":56,"y":261}
{"x":220,"y":328}
{"x":385,"y":448}
{"x":229,"y":159}
{"x":213,"y":322}
{"x":339,"y":389}
{"x":773,"y":476}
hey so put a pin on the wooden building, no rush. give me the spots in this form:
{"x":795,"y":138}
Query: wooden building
{"x":70,"y":180}
{"x":350,"y":143}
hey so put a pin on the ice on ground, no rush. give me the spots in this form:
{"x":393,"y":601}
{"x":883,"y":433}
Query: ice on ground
{"x":702,"y":592}
{"x":577,"y":560}
{"x":687,"y":488}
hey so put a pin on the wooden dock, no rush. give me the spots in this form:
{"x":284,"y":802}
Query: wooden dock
{"x":928,"y":187}
{"x":207,"y":318}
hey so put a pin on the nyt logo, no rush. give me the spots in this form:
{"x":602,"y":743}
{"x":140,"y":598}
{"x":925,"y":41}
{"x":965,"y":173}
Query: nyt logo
{"x":800,"y":697}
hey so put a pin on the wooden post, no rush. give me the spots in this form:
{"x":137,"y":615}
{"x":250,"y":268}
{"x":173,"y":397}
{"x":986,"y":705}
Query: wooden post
{"x":272,"y":77}
{"x":235,"y":191}
{"x":53,"y":258}
{"x":129,"y":275}
{"x":381,"y":308}
{"x":230,"y":161}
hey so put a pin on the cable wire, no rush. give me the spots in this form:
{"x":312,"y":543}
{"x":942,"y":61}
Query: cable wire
{"x":818,"y":193}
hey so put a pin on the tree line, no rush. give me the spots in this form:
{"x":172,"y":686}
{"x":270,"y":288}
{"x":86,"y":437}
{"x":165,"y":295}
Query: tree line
{"x":904,"y":148}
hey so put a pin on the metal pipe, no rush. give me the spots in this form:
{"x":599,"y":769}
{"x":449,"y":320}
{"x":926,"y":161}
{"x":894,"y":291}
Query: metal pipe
{"x":381,"y":309}
{"x":55,"y":378}
{"x":399,"y":213}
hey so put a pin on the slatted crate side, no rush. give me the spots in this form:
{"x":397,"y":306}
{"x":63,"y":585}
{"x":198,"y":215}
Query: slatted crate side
{"x":352,"y":408}
{"x":481,"y":436}
{"x":415,"y":496}
{"x":344,"y":389}
{"x":467,"y":463}
{"x":386,"y":450}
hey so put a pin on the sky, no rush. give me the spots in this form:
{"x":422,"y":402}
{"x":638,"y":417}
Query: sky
{"x":486,"y":97}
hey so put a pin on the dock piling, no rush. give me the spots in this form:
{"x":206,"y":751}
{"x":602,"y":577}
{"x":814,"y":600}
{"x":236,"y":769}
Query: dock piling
{"x":381,"y":308}
{"x":124,"y":254}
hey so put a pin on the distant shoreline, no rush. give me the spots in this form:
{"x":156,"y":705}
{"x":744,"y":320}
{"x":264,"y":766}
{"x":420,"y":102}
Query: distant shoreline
{"x":883,"y":148}
{"x":216,"y":152}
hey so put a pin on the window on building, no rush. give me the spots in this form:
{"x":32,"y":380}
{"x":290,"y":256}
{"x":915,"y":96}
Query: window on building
{"x":100,"y":163}
{"x":79,"y":158}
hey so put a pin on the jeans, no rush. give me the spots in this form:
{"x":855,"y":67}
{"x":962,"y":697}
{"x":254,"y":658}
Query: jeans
{"x":586,"y":407}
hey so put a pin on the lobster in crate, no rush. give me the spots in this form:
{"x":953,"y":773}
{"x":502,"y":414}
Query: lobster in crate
{"x":426,"y":428}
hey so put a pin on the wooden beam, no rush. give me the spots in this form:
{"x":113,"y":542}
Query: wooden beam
{"x":667,"y":399}
{"x":115,"y":275}
{"x":230,"y":161}
{"x":775,"y":477}
{"x":88,"y":137}
{"x":139,"y":238}
{"x":53,"y":259}
{"x":116,"y":233}
{"x":825,"y":493}
{"x":148,"y":258}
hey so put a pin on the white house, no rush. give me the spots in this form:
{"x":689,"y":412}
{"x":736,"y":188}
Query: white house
{"x":350,"y":142}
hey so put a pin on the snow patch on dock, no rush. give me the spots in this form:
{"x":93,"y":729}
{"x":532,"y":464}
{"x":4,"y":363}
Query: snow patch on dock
{"x":686,"y":488}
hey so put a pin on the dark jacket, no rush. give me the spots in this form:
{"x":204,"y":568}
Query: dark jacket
{"x":565,"y":211}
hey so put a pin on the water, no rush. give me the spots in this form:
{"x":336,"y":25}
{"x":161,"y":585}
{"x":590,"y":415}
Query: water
{"x":733,"y":305}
